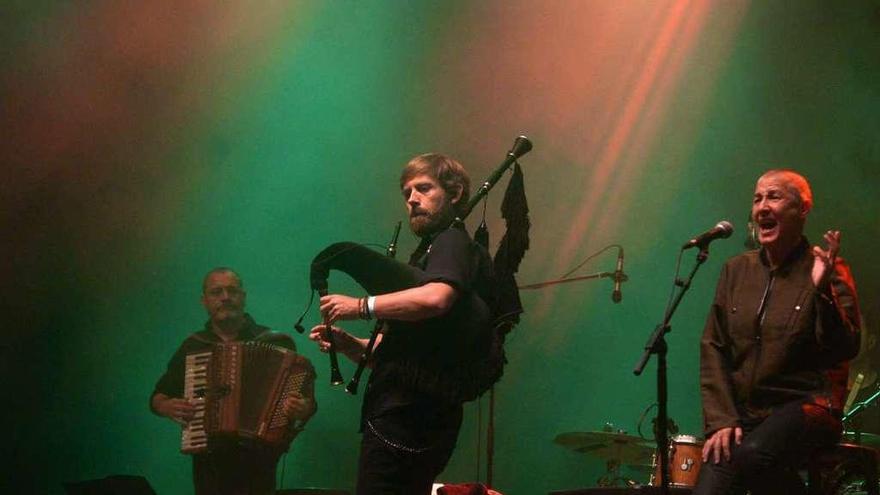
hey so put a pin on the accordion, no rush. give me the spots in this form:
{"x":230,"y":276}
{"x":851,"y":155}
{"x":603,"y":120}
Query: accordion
{"x":239,"y":391}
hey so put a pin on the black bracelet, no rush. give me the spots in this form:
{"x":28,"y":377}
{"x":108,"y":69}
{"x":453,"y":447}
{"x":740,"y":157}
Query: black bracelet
{"x":364,"y":310}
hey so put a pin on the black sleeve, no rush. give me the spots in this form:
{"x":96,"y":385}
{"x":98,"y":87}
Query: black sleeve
{"x":450,"y":259}
{"x":838,"y":321}
{"x":171,"y":382}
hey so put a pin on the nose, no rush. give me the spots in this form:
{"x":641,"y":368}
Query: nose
{"x":228,"y":293}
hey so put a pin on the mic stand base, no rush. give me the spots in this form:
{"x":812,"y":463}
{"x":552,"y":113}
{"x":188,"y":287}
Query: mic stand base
{"x":657,"y":345}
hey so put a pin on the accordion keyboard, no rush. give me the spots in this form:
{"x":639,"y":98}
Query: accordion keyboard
{"x":194,"y":438}
{"x":294,"y":384}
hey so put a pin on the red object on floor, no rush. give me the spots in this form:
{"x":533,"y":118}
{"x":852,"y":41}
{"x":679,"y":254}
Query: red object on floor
{"x":463,"y":489}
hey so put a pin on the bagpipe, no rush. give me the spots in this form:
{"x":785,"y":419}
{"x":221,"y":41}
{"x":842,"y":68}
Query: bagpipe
{"x":490,"y":320}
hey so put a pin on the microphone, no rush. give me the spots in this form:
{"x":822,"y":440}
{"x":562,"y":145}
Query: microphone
{"x":720,"y":231}
{"x":616,"y":296}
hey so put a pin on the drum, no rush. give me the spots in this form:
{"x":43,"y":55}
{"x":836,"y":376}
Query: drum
{"x":685,"y":460}
{"x":844,"y":469}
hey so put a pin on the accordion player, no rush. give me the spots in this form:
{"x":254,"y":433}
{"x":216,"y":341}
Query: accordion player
{"x":244,"y":396}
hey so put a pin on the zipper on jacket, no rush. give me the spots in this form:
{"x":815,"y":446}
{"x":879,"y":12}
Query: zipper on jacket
{"x":762,"y":308}
{"x":759,"y":324}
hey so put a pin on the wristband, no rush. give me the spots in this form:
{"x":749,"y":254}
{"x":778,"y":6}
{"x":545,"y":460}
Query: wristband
{"x":371,"y":306}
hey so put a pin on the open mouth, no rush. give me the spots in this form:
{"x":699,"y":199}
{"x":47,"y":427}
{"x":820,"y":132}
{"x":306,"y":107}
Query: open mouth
{"x":767,"y":225}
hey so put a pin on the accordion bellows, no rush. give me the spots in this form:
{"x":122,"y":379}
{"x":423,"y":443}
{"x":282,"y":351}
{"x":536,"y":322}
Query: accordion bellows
{"x":239,"y":390}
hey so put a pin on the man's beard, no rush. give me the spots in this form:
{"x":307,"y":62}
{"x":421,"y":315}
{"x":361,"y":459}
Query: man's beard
{"x":430,"y":223}
{"x":227,"y":315}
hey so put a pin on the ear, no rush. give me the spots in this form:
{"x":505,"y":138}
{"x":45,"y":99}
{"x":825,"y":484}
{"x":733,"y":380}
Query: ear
{"x":805,"y":209}
{"x":456,"y":196}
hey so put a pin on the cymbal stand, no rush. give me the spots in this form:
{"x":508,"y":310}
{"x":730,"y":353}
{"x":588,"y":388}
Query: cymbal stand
{"x":612,"y":474}
{"x":858,"y":408}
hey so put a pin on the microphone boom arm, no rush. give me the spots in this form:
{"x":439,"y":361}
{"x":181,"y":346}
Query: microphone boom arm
{"x":541,"y":285}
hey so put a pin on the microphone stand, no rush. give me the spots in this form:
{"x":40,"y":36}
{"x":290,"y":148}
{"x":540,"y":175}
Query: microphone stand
{"x":541,"y":285}
{"x":657,"y":345}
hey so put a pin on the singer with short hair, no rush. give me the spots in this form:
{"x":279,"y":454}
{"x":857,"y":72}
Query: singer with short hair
{"x":412,"y":407}
{"x":775,"y":349}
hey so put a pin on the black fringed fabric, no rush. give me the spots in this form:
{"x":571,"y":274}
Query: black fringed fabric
{"x":481,"y":235}
{"x":513,"y":246}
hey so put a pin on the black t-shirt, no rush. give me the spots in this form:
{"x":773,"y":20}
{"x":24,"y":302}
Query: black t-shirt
{"x":416,"y":372}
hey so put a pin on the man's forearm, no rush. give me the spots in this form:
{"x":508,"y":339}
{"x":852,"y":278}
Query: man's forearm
{"x":354,"y":351}
{"x":157,"y":401}
{"x":419,"y":303}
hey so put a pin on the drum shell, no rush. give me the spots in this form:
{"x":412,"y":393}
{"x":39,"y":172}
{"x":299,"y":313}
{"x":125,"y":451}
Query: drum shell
{"x":685,"y":461}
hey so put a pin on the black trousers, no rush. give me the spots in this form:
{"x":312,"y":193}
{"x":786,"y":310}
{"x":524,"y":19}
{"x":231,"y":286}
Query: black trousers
{"x":235,"y":471}
{"x":771,"y":452}
{"x":399,"y":456}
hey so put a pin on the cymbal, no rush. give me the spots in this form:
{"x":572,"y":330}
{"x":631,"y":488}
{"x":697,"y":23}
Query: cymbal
{"x":609,"y":445}
{"x":867,"y":439}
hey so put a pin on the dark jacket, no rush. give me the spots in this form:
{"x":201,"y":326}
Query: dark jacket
{"x":772,"y":338}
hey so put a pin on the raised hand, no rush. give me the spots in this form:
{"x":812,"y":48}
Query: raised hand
{"x":823,"y":264}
